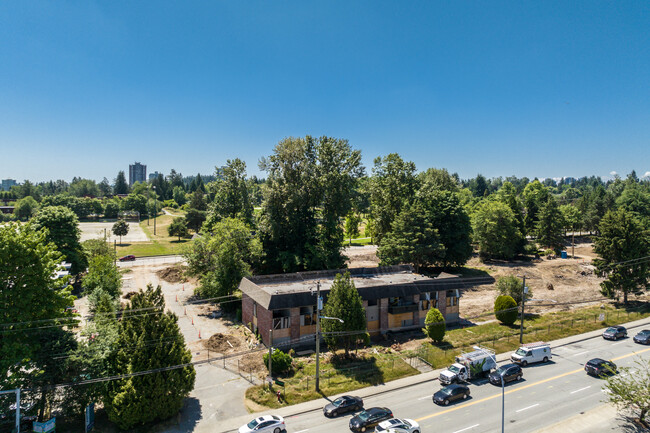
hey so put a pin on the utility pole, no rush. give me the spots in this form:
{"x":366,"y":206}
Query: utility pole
{"x":521,"y":319}
{"x":318,"y":307}
{"x":270,"y":356}
{"x":155,"y":212}
{"x":573,"y":244}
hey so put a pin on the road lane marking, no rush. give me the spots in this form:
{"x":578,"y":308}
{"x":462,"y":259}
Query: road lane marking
{"x":578,"y":354}
{"x":300,"y":431}
{"x":620,"y":342}
{"x":467,"y":428}
{"x":521,"y":388}
{"x":581,"y":389}
{"x":426,"y":396}
{"x":529,"y":407}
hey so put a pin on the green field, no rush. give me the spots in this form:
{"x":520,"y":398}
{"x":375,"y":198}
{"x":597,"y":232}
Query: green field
{"x":159,"y":244}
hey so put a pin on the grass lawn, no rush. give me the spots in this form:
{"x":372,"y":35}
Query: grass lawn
{"x":357,"y":242}
{"x":547,"y":327}
{"x":357,"y":373}
{"x":159,"y":244}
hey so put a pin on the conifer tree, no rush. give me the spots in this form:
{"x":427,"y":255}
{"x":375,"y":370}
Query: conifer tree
{"x":344,"y":302}
{"x":550,"y":226}
{"x":146,"y":398}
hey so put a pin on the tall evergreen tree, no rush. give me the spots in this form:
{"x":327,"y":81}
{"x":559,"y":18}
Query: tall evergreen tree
{"x":622,"y":241}
{"x":344,"y":302}
{"x":550,"y":226}
{"x":121,"y":186}
{"x":412,"y":240}
{"x":150,"y":397}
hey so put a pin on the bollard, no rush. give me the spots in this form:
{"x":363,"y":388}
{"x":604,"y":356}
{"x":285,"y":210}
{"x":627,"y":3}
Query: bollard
{"x":199,"y":334}
{"x":184,"y":311}
{"x":192,"y":321}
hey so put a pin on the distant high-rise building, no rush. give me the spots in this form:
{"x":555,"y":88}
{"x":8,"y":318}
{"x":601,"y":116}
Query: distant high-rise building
{"x":137,"y":173}
{"x":8,"y":183}
{"x":153,"y":175}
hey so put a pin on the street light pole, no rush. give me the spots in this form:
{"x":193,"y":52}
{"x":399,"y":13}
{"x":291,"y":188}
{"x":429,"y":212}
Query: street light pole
{"x":503,"y":404}
{"x":155,"y":212}
{"x":317,"y":335}
{"x":523,"y":303}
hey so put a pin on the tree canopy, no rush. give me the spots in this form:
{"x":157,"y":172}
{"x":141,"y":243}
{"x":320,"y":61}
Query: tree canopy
{"x":63,"y":231}
{"x":495,"y":230}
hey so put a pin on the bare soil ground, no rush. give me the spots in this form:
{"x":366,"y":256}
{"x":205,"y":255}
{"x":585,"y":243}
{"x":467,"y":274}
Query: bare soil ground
{"x":172,"y":274}
{"x":361,"y":257}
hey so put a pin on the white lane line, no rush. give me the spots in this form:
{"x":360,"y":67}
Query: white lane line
{"x":529,"y":407}
{"x":581,"y":389}
{"x":426,"y":396}
{"x":300,"y":431}
{"x":467,"y":428}
{"x":578,"y":354}
{"x":620,"y":342}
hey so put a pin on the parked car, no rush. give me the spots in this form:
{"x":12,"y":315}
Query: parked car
{"x":344,"y":404}
{"x":369,"y":418}
{"x":264,"y":424}
{"x":615,"y":332}
{"x":128,"y":258}
{"x":599,"y":367}
{"x":506,"y":373}
{"x":398,"y":426}
{"x":643,"y":337}
{"x":451,"y":393}
{"x":532,"y":352}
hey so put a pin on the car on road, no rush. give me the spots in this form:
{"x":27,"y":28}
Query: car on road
{"x":398,"y":425}
{"x":369,"y":418}
{"x":128,"y":258}
{"x":599,"y":367}
{"x":506,"y":373}
{"x":264,"y":424}
{"x":643,"y":337}
{"x":451,"y":393}
{"x":615,"y":332}
{"x":346,"y":403}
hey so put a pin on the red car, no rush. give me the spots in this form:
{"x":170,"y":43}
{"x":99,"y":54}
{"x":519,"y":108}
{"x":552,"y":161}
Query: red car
{"x":128,"y":258}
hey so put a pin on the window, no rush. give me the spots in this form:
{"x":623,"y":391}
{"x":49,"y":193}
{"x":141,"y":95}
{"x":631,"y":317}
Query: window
{"x":281,"y":322}
{"x":452,"y":298}
{"x":307,"y":316}
{"x":372,"y":302}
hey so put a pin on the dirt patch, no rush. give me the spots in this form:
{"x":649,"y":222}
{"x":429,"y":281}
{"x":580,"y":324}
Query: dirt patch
{"x":252,"y":363}
{"x":129,"y":295}
{"x":362,"y":257}
{"x":222,"y":343}
{"x":172,"y":274}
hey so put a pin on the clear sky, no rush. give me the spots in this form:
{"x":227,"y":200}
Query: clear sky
{"x":530,"y":88}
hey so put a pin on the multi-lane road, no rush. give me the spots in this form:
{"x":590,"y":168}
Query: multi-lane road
{"x":547,"y":394}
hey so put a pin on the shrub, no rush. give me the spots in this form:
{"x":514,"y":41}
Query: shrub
{"x":292,"y":353}
{"x":512,"y":286}
{"x":435,"y":326}
{"x":281,"y":361}
{"x":530,"y":248}
{"x":505,"y":309}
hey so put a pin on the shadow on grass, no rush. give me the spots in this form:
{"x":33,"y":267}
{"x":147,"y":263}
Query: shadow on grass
{"x":362,"y":370}
{"x":181,"y":241}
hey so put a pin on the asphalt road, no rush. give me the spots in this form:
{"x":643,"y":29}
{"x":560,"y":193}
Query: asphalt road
{"x":548,"y":393}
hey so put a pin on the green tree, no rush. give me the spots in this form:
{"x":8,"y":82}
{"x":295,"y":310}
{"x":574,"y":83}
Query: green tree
{"x":571,"y":217}
{"x":222,"y":258}
{"x":231,"y":195}
{"x":97,"y":247}
{"x":535,"y":195}
{"x":629,"y":391}
{"x":178,"y":227}
{"x":120,"y":228}
{"x":103,"y":274}
{"x":112,"y":208}
{"x":412,"y":239}
{"x":495,"y":230}
{"x":352,"y":221}
{"x":25,"y":208}
{"x":508,"y":195}
{"x":143,"y":399}
{"x":505,"y":309}
{"x":179,"y":195}
{"x":435,"y":179}
{"x":194,"y":219}
{"x":392,"y":184}
{"x":344,"y":302}
{"x":28,"y":296}
{"x":513,"y":287}
{"x":63,"y":231}
{"x":622,"y":241}
{"x":83,"y":188}
{"x":550,"y":226}
{"x":447,"y":215}
{"x":635,"y":198}
{"x":135,"y":202}
{"x":434,"y":325}
{"x":120,"y":187}
{"x":478,"y":186}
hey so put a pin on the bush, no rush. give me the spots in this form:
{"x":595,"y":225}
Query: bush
{"x":512,"y":286}
{"x":530,"y":248}
{"x":281,"y":361}
{"x":505,"y":309}
{"x":435,"y":326}
{"x":170,"y":203}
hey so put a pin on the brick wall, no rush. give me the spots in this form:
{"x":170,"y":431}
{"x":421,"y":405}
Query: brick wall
{"x":383,"y":314}
{"x":416,"y":314}
{"x":264,"y":323}
{"x":247,"y":310}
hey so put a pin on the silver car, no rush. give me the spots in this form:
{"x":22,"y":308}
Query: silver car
{"x":264,"y":424}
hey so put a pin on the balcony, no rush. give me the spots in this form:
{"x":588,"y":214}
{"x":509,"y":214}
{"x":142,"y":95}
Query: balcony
{"x":405,"y":308}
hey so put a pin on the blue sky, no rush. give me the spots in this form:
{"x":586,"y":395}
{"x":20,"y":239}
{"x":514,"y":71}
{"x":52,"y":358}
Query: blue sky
{"x":530,"y":88}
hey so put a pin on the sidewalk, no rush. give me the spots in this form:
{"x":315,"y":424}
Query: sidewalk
{"x":600,"y":419}
{"x":234,"y":423}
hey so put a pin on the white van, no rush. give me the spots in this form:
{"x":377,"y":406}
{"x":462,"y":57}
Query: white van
{"x":531,"y":353}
